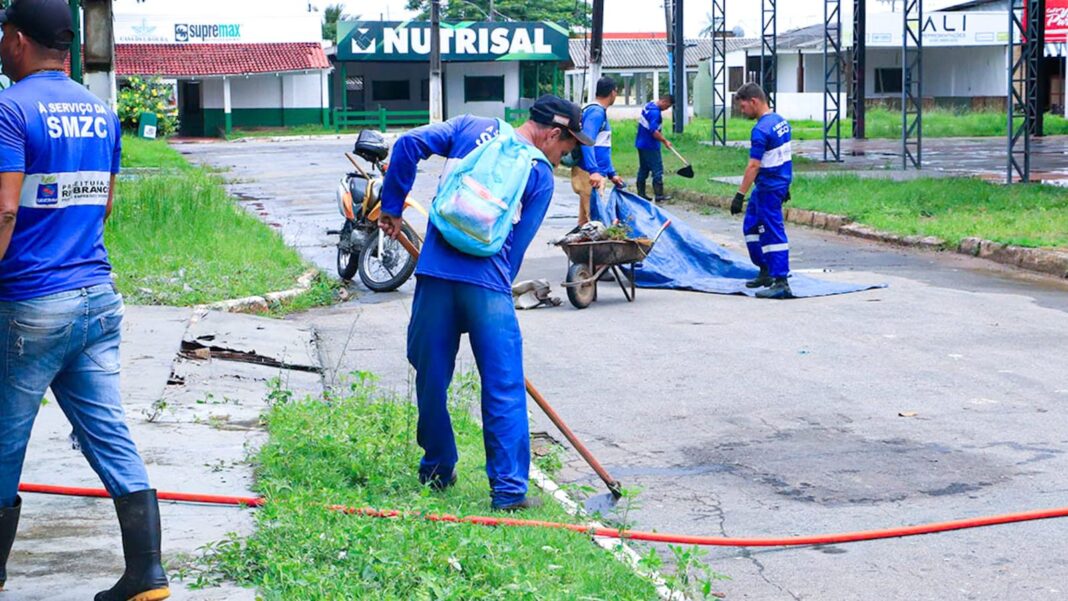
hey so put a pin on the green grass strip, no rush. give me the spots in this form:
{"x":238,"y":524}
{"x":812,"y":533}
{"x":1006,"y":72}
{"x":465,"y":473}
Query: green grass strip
{"x":176,"y":238}
{"x":359,"y":450}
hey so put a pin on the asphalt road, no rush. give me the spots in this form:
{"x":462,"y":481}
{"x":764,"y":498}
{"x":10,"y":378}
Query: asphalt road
{"x":741,"y":417}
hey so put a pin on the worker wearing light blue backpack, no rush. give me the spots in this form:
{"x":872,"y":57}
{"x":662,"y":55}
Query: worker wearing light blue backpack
{"x":491,"y":200}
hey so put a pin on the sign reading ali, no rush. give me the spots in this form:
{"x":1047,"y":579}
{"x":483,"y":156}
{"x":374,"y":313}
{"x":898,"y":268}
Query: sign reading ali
{"x":480,"y":41}
{"x":945,"y":29}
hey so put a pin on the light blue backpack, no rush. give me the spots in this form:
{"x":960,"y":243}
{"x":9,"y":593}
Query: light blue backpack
{"x":479,"y":201}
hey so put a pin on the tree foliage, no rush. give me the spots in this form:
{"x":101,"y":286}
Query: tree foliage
{"x":331,"y":15}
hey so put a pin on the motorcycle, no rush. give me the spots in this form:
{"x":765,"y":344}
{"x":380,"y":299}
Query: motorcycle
{"x":382,"y":262}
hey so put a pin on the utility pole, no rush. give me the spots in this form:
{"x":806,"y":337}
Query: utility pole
{"x":490,"y":15}
{"x":669,"y":21}
{"x":436,"y":113}
{"x":76,"y":47}
{"x":680,"y":109}
{"x":596,"y":45}
{"x":100,"y":50}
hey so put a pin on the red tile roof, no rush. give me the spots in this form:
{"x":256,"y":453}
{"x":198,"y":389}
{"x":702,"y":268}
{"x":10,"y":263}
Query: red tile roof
{"x":199,"y":60}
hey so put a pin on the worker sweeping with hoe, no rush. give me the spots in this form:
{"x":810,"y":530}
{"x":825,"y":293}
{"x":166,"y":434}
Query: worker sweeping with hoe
{"x":770,"y":169}
{"x":491,"y":200}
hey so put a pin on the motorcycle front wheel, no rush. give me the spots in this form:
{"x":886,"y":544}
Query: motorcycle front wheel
{"x":384,"y":264}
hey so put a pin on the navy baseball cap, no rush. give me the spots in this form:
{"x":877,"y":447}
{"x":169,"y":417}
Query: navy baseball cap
{"x":553,"y":110}
{"x":47,"y":22}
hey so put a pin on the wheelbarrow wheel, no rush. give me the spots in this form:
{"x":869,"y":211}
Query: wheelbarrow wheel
{"x":580,"y":296}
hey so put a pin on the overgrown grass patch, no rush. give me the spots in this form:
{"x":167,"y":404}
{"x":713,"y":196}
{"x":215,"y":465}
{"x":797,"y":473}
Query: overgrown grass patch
{"x":950,"y":208}
{"x":358,"y":449}
{"x":176,"y":238}
{"x":882,"y":123}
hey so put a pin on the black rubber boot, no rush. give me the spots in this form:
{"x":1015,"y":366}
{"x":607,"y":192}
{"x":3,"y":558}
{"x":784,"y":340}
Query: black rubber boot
{"x":143,"y":579}
{"x":641,"y":190}
{"x":761,"y":281}
{"x":437,"y":483}
{"x":9,"y":523}
{"x":658,"y":191}
{"x":526,"y":503}
{"x":779,"y":289}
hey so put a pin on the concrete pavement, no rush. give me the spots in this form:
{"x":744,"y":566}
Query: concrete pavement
{"x":747,"y":418}
{"x":195,"y":420}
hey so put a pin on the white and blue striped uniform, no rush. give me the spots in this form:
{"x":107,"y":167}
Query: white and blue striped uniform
{"x":67,"y":143}
{"x":764,"y":227}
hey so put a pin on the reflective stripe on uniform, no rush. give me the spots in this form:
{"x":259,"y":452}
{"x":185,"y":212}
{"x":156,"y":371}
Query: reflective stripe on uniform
{"x":604,"y":139}
{"x":62,"y":190}
{"x":752,"y":238}
{"x":776,"y":156}
{"x":642,"y":121}
{"x":773,"y":248}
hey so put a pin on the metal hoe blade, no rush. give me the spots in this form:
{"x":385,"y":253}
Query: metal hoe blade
{"x":686,"y":172}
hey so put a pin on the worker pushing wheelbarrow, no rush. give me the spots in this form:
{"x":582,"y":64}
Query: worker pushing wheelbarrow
{"x":592,"y":255}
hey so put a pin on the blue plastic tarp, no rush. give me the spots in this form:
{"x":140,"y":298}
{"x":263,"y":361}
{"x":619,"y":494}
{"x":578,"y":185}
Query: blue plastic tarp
{"x":683,"y":259}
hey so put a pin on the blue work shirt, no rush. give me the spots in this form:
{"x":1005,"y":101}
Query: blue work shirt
{"x":770,"y":144}
{"x":67,"y":143}
{"x":649,"y":121}
{"x":454,"y":139}
{"x":597,"y":158}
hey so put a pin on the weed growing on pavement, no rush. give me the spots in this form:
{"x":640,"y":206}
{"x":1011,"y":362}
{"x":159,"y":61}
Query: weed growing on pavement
{"x":156,"y":411}
{"x":356,"y":447}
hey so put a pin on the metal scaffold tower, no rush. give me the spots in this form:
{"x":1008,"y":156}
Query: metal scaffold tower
{"x":858,"y":92}
{"x":912,"y":84}
{"x":832,"y":80}
{"x":768,"y":48}
{"x":1026,"y":46}
{"x":719,"y":72}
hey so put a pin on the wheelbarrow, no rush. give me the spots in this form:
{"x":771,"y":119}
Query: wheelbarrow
{"x":591,"y":260}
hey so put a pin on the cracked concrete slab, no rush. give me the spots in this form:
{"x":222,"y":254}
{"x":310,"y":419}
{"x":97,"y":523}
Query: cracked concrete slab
{"x":253,"y":339}
{"x":195,"y":423}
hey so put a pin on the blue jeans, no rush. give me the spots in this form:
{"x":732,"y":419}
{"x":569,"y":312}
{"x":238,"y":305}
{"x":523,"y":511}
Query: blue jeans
{"x":70,"y":342}
{"x":650,"y":161}
{"x":765,"y":232}
{"x":441,"y":311}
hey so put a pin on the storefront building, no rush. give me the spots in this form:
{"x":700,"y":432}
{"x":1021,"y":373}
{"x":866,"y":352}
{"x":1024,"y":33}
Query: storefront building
{"x":488,"y":68}
{"x":240,"y":71}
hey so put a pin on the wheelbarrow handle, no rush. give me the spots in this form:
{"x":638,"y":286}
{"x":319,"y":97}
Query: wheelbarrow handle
{"x":661,"y":232}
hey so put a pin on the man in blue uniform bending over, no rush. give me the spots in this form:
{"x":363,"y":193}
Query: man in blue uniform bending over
{"x":771,"y":169}
{"x":457,"y":292}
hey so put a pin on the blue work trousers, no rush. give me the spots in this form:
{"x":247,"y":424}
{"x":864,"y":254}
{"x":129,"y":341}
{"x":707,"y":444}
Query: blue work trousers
{"x":70,"y":342}
{"x":441,"y":312}
{"x":765,"y":232}
{"x":650,"y":161}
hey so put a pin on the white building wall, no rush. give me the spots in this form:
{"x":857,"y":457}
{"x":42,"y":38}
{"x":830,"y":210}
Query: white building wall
{"x":303,"y":90}
{"x":454,"y":88}
{"x":949,"y":72}
{"x":252,"y":92}
{"x":787,"y":73}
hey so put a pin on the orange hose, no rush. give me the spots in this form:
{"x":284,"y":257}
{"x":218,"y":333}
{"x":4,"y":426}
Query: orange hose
{"x":656,"y":537}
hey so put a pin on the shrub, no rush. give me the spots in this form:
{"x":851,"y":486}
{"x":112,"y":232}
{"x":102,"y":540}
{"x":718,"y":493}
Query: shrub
{"x":139,"y":95}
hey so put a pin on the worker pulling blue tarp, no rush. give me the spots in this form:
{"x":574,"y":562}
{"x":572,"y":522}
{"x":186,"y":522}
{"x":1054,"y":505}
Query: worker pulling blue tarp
{"x":683,"y":259}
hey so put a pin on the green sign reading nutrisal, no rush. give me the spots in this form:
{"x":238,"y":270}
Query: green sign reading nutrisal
{"x":480,"y":41}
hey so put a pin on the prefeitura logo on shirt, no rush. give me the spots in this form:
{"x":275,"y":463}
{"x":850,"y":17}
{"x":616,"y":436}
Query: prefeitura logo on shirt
{"x":85,"y":189}
{"x":48,"y":191}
